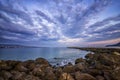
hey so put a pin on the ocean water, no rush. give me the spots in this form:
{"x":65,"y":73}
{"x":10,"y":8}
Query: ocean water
{"x":56,"y":56}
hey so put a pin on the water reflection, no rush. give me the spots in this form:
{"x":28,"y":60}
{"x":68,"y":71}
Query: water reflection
{"x":54,"y":55}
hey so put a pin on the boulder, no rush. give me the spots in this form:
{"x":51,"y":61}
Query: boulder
{"x":100,"y":77}
{"x":31,"y":77}
{"x":116,"y":75}
{"x":20,"y":67}
{"x":37,"y":71}
{"x":11,"y":63}
{"x":1,"y":78}
{"x":94,"y":72}
{"x":89,"y":56}
{"x":66,"y":76}
{"x":116,"y":53}
{"x":4,"y":66}
{"x":58,"y":71}
{"x":84,"y":76}
{"x":5,"y":74}
{"x":31,"y":66}
{"x":69,"y":69}
{"x":107,"y":75}
{"x":49,"y":74}
{"x":42,"y":61}
{"x":80,"y":67}
{"x":79,"y":60}
{"x":17,"y":75}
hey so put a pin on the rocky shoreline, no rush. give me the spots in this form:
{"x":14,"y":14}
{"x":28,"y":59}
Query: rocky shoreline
{"x":104,"y":64}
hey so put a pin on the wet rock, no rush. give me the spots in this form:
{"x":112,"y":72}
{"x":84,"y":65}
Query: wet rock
{"x":79,"y":60}
{"x":42,"y":61}
{"x":66,"y":76}
{"x":84,"y":76}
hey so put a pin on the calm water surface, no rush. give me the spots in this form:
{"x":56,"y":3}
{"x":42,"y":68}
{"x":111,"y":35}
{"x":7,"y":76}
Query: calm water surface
{"x":53,"y":55}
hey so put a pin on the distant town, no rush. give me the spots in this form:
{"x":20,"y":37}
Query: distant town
{"x":13,"y":46}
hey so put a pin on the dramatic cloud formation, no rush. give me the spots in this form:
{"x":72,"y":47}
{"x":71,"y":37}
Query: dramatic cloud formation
{"x":59,"y":22}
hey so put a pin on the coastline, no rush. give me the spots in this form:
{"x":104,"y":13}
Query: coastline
{"x":104,"y":64}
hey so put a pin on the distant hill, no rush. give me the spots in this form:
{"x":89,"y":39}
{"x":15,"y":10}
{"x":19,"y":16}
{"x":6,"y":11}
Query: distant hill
{"x":114,"y":45}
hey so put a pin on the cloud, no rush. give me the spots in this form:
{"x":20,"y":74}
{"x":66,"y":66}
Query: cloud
{"x":103,"y":30}
{"x":104,"y":42}
{"x":56,"y":21}
{"x":15,"y":13}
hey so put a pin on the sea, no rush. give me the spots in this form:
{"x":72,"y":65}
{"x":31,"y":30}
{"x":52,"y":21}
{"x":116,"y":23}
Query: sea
{"x":57,"y":56}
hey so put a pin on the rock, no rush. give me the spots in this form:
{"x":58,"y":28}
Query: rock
{"x":116,"y":53}
{"x":68,"y":69}
{"x":31,"y":77}
{"x":107,"y":75}
{"x":31,"y":66}
{"x":94,"y":72}
{"x":1,"y":78}
{"x":12,"y":63}
{"x":84,"y":76}
{"x":42,"y":61}
{"x":48,"y":69}
{"x":108,"y":59}
{"x":5,"y":74}
{"x":28,"y":62}
{"x":89,"y":56}
{"x":20,"y":67}
{"x":79,"y":67}
{"x":66,"y":76}
{"x":58,"y":71}
{"x":49,"y":74}
{"x":105,"y":59}
{"x":116,"y":75}
{"x":37,"y":71}
{"x":100,"y":66}
{"x":79,"y":60}
{"x":4,"y":66}
{"x":17,"y":75}
{"x":100,"y":78}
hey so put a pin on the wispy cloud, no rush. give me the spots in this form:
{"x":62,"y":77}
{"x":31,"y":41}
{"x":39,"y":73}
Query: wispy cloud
{"x":57,"y":21}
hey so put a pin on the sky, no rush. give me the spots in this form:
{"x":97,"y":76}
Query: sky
{"x":53,"y":23}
